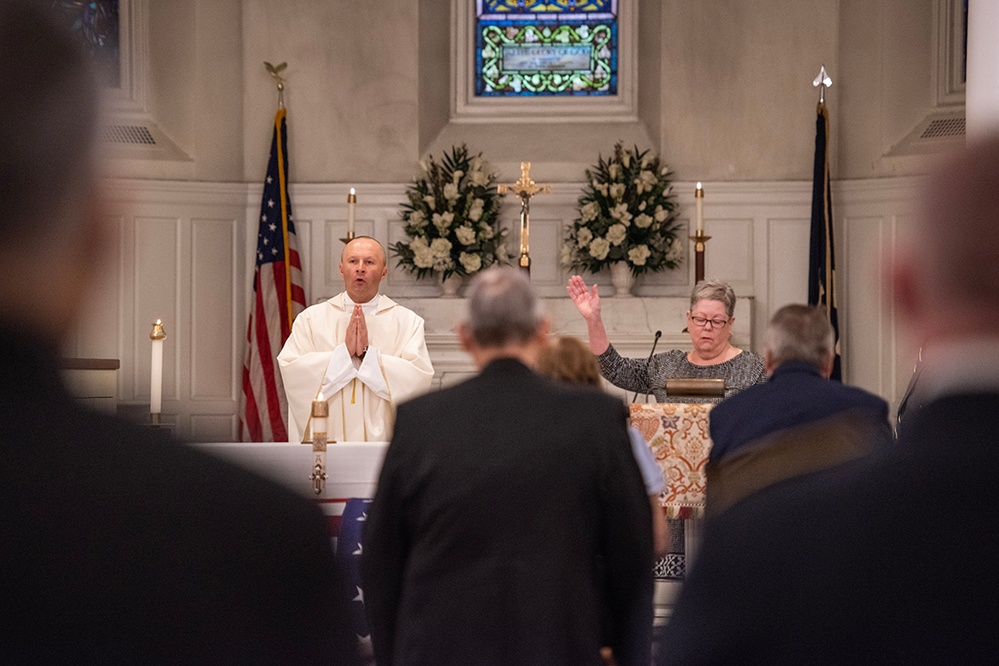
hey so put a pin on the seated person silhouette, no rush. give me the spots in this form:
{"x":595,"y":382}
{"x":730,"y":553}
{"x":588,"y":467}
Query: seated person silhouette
{"x":798,"y":421}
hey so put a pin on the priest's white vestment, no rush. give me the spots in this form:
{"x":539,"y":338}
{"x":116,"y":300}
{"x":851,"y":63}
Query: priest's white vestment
{"x":315,"y":364}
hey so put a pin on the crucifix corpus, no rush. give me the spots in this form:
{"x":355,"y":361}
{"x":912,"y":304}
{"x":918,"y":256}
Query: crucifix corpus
{"x":525,"y":188}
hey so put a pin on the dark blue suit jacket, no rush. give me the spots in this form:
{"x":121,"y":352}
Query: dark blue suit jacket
{"x":890,"y":559}
{"x":795,"y":395}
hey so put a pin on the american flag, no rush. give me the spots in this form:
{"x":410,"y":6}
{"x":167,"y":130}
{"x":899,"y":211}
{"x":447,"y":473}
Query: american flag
{"x":278,"y":297}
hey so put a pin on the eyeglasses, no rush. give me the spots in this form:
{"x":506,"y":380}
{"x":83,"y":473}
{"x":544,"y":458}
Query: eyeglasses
{"x":701,"y":322}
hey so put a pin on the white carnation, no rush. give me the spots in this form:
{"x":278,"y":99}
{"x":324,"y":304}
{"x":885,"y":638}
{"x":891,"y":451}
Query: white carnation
{"x":620,"y":212}
{"x":599,"y":248}
{"x":443,"y":222}
{"x":616,"y":234}
{"x":643,"y":221}
{"x":638,"y":254}
{"x":590,"y":211}
{"x":440,"y":247}
{"x":471,"y":262}
{"x":617,"y":191}
{"x":583,"y":237}
{"x":475,"y":211}
{"x":450,"y":191}
{"x":465,"y":234}
{"x":417,"y":219}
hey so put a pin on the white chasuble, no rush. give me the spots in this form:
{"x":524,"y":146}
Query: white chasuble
{"x":362,"y":395}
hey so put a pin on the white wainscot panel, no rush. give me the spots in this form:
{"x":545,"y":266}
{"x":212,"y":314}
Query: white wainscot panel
{"x":728,"y":255}
{"x":156,"y":260}
{"x":787,"y":249}
{"x":546,"y":241}
{"x":213,"y":271}
{"x":98,"y":334}
{"x":863,"y":326}
{"x":213,"y":427}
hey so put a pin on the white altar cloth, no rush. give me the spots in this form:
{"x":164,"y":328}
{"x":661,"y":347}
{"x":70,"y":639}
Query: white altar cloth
{"x":352,"y":469}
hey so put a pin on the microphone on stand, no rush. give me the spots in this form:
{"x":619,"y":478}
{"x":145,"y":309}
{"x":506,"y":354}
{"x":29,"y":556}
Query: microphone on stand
{"x":649,"y":359}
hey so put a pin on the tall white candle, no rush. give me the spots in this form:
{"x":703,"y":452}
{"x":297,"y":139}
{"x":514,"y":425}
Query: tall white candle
{"x":156,"y":373}
{"x":699,"y":200}
{"x":351,"y":205}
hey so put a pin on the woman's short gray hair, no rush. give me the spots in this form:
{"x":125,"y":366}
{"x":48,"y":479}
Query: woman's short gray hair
{"x":799,"y":333}
{"x":706,"y":290}
{"x":502,"y":307}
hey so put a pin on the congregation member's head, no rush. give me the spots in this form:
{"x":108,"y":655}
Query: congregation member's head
{"x":363,"y":267}
{"x":799,"y":333}
{"x":505,"y":317}
{"x":51,"y":231}
{"x":569,"y":360}
{"x":944,"y":281}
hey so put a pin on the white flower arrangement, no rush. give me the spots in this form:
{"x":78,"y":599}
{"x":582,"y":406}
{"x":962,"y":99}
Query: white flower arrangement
{"x":626,"y":213}
{"x":451,"y":218}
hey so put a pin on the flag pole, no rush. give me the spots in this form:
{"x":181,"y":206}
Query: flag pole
{"x":275,"y":72}
{"x":821,"y":253}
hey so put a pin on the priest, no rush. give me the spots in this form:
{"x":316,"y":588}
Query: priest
{"x":360,"y":350}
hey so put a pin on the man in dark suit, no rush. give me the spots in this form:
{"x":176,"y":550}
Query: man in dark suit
{"x":891,"y":558}
{"x":509,"y":512}
{"x":799,"y":421}
{"x":117,"y":545}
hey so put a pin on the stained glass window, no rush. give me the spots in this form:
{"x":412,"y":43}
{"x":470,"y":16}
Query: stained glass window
{"x":96,"y":21}
{"x":546,"y":48}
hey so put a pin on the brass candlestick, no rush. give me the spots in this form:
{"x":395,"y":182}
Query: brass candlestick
{"x":320,"y":412}
{"x":700,"y":240}
{"x":351,"y":205}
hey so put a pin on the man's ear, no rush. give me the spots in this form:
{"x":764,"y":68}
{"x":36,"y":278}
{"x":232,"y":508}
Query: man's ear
{"x":465,"y":337}
{"x":768,"y":363}
{"x":827,"y":366}
{"x":544,"y":328}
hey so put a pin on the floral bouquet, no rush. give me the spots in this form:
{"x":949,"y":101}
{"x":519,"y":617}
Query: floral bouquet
{"x":626,"y":213}
{"x":451,"y":218}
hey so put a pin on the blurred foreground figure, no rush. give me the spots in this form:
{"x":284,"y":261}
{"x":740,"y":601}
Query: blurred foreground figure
{"x":892,"y":558}
{"x":117,"y":544}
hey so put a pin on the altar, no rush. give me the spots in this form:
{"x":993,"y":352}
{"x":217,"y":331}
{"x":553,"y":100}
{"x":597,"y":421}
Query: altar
{"x":677,"y":435}
{"x":352,"y":469}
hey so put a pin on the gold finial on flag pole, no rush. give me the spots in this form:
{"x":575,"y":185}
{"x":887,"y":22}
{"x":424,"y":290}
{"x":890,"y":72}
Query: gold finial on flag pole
{"x":275,"y":71}
{"x":822,"y":81}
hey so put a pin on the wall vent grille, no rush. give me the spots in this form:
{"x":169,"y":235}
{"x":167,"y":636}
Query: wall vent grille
{"x":135,"y":135}
{"x":943,"y":127}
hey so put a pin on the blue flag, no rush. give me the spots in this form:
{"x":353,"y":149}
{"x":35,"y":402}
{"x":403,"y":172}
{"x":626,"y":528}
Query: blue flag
{"x":821,"y":255}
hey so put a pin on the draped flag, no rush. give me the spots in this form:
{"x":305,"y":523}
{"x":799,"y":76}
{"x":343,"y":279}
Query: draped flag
{"x":821,"y":257}
{"x":278,"y":297}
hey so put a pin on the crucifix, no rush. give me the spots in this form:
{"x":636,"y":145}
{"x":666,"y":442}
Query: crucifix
{"x":525,"y":188}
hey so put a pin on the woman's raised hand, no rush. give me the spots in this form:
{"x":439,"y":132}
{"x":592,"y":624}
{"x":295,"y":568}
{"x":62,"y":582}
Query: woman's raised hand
{"x":587,"y":301}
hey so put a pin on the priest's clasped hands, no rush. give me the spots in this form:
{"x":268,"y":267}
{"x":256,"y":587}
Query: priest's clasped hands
{"x":356,"y":338}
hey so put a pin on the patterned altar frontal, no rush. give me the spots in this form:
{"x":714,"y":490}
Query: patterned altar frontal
{"x":680,"y":441}
{"x":679,"y":438}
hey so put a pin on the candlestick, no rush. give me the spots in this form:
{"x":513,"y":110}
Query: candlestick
{"x":699,"y":200}
{"x":351,"y":205}
{"x":320,"y":413}
{"x":158,"y":335}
